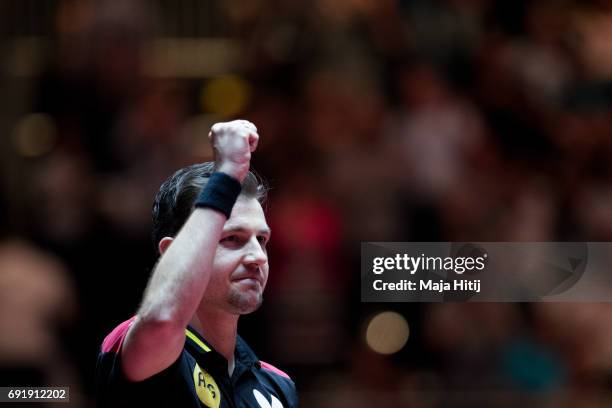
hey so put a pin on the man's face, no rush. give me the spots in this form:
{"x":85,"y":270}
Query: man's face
{"x":240,"y":267}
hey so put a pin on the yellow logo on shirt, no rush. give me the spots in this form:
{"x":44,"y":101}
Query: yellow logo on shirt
{"x":206,"y":388}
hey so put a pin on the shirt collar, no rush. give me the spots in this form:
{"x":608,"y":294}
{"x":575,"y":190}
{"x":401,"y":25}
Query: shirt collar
{"x":198,"y":344}
{"x":244,"y":354}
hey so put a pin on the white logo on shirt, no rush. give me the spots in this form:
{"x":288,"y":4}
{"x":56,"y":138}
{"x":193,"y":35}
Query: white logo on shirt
{"x":263,"y":402}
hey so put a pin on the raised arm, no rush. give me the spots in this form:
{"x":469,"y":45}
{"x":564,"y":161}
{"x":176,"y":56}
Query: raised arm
{"x":157,"y":335}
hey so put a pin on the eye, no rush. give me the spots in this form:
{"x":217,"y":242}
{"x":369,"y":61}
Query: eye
{"x":263,"y":240}
{"x":232,"y":239}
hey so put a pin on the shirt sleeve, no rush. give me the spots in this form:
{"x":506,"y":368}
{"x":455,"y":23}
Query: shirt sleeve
{"x":111,"y":383}
{"x":114,"y":390}
{"x":292,"y":396}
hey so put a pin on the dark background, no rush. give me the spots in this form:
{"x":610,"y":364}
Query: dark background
{"x":381,"y":120}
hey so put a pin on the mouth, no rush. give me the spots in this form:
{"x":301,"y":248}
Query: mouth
{"x":249,"y":279}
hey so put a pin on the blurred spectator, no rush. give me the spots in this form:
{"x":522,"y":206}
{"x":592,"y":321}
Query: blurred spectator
{"x":36,"y":303}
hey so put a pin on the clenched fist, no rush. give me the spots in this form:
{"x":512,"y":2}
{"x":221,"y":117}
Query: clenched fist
{"x":233,"y":142}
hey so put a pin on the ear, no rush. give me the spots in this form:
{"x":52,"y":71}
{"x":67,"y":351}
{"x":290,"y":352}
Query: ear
{"x":164,"y":244}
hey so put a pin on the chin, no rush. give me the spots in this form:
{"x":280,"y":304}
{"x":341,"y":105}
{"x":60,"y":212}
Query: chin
{"x":245,"y":303}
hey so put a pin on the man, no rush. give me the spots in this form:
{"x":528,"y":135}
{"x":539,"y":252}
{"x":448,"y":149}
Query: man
{"x":182,"y":348}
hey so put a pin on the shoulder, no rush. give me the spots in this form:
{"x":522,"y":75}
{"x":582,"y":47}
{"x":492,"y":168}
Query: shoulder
{"x":273,"y":370}
{"x":277,"y":376}
{"x":281,"y":382}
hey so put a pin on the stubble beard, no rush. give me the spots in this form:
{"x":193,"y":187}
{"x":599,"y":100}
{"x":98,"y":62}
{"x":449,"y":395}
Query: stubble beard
{"x":244,"y":303}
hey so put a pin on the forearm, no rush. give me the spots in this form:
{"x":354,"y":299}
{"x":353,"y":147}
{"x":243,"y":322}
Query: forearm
{"x":183,"y":271}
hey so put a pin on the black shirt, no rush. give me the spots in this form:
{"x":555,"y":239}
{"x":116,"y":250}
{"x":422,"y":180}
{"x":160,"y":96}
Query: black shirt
{"x":198,"y":378}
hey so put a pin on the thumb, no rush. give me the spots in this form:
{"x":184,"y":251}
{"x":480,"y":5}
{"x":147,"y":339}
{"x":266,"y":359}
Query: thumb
{"x":253,"y":141}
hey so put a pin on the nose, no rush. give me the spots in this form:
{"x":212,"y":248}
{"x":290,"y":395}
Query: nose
{"x":255,"y":255}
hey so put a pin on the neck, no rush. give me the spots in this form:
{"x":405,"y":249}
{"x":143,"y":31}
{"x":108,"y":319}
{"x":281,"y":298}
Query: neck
{"x":219,"y":329}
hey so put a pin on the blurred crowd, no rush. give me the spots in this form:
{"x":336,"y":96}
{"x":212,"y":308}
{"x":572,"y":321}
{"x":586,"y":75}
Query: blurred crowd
{"x":381,"y":120}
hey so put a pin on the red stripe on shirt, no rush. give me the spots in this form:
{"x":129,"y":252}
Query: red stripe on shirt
{"x":275,"y":370}
{"x":112,"y":342}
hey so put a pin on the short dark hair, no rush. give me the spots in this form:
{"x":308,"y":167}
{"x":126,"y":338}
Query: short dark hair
{"x":174,"y":200}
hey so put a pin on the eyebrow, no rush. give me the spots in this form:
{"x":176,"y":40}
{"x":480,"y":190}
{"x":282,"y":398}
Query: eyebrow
{"x":265,"y":231}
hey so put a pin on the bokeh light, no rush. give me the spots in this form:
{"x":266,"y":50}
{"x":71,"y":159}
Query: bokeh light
{"x":35,"y":135}
{"x":226,"y":96}
{"x":387,"y":332}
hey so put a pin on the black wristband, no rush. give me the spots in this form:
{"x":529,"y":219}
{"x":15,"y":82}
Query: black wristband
{"x":220,"y":193}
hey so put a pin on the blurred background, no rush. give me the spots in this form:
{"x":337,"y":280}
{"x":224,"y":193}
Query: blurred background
{"x":381,"y":120}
